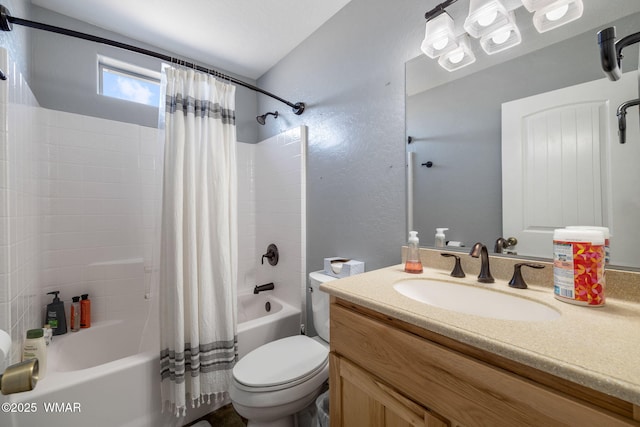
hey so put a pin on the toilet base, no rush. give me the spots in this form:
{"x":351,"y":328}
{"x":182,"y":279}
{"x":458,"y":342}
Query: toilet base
{"x":279,"y":416}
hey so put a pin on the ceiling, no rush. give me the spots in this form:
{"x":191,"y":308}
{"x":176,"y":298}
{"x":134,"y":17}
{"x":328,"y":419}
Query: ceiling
{"x":246,"y":37}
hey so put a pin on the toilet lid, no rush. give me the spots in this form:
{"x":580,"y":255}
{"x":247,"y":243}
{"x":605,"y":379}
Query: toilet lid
{"x":280,"y":362}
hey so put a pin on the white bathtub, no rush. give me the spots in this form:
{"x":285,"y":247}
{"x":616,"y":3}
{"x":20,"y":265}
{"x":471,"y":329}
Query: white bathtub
{"x":107,"y":376}
{"x":257,"y":326}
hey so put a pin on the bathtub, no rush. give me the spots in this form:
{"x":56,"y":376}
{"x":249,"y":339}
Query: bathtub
{"x":262,"y":319}
{"x":107,"y":376}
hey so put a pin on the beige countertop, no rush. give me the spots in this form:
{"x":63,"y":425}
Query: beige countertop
{"x":598,"y":347}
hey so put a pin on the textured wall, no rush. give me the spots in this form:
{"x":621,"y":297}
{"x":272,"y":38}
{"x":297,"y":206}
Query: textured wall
{"x":351,"y":75}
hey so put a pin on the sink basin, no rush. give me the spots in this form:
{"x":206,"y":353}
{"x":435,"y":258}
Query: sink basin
{"x":474,"y":300}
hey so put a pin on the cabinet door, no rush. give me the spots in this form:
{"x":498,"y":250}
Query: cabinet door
{"x":366,"y":402}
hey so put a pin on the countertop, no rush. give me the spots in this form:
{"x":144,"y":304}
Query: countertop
{"x":598,"y":347}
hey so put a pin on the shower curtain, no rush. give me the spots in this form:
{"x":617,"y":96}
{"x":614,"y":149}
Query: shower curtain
{"x":198,"y":249}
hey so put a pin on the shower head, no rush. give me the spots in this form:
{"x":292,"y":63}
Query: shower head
{"x":611,"y":51}
{"x":263,"y":118}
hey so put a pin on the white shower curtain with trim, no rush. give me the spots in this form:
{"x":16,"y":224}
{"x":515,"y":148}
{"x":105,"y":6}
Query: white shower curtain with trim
{"x":198,"y":250}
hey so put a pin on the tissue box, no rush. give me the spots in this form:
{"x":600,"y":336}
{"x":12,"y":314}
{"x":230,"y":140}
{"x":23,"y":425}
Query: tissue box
{"x":342,"y":267}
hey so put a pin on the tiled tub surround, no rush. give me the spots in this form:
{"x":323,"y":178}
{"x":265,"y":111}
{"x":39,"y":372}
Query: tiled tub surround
{"x":20,"y":135}
{"x":101,"y":183}
{"x":78,"y":210}
{"x":593,"y":347}
{"x":272,"y":209}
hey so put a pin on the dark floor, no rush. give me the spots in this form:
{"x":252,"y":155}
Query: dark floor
{"x":224,"y":417}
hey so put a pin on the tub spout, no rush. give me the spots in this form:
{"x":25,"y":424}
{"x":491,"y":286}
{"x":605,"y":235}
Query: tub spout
{"x":266,"y":287}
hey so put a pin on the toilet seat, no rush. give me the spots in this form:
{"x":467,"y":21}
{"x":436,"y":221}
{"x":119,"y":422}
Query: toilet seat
{"x":280,"y":364}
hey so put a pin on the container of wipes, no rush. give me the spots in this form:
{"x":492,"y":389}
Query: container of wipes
{"x":578,"y":266}
{"x":607,"y":238}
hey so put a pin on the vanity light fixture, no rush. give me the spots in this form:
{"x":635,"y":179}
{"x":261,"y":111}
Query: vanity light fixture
{"x":458,"y":57}
{"x":491,"y":21}
{"x":439,"y":36}
{"x":550,"y":14}
{"x":485,"y":16}
{"x":502,"y":38}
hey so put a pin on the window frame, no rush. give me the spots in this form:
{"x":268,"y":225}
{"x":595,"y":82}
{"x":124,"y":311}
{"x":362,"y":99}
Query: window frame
{"x":127,"y":70}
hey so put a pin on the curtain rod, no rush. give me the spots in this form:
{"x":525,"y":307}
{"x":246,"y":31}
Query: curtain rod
{"x":6,"y":21}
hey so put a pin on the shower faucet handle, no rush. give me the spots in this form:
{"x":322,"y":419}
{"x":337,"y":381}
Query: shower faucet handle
{"x":271,"y":255}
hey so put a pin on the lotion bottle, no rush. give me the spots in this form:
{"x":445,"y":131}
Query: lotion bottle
{"x":75,"y":314}
{"x":440,"y":239}
{"x":413,"y":264}
{"x":34,"y":347}
{"x":85,"y":311}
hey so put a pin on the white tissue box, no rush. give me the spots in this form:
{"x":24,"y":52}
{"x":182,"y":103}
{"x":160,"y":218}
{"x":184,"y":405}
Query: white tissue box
{"x":342,"y":267}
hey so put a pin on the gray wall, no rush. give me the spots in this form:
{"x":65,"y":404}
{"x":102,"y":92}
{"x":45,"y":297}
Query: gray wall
{"x":351,"y":75}
{"x":64,"y":73}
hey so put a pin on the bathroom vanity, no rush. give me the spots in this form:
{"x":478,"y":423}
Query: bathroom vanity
{"x":398,"y":362}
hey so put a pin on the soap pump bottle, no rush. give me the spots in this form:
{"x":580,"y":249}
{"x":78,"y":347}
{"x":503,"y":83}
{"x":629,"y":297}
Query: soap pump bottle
{"x":413,"y":264}
{"x":75,"y":314}
{"x":56,"y":317}
{"x":85,"y":311}
{"x":440,"y":239}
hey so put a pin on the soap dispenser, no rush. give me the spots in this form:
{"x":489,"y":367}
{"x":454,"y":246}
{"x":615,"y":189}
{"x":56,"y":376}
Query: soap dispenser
{"x":413,"y":264}
{"x":440,"y":239}
{"x":56,"y":317}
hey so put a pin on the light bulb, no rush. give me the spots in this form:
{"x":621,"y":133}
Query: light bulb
{"x":441,"y":43}
{"x":557,"y":13}
{"x":501,"y":37}
{"x":487,"y":19}
{"x":456,"y":56}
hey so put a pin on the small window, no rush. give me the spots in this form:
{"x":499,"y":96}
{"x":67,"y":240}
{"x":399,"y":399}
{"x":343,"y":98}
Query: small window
{"x":117,"y":79}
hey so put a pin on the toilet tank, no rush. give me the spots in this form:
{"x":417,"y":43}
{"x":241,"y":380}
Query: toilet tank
{"x":320,"y":303}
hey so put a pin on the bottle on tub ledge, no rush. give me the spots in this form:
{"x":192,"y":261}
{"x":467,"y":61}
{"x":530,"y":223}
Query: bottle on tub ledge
{"x":34,"y":347}
{"x":56,"y":317}
{"x":85,"y":311}
{"x":75,"y":314}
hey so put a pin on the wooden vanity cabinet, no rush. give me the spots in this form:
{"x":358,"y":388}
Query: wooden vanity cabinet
{"x":385,"y":372}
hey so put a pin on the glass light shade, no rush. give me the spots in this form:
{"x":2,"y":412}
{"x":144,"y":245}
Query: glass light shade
{"x":485,"y":16}
{"x":557,"y":13}
{"x":501,"y":39}
{"x":439,"y":36}
{"x":459,"y":57}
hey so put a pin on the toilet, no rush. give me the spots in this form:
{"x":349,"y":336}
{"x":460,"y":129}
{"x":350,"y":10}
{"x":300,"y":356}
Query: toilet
{"x":278,"y":379}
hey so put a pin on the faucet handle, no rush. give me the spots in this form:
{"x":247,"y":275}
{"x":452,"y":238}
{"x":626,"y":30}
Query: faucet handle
{"x":457,"y":269}
{"x":517,"y":281}
{"x":272,"y":254}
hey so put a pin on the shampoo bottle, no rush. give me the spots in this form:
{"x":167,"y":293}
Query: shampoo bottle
{"x":56,"y":317}
{"x":35,"y":348}
{"x":440,"y":239}
{"x":413,"y":264}
{"x":85,"y":311}
{"x":75,"y":314}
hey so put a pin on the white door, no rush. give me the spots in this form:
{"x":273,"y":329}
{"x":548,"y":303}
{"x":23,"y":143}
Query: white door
{"x":557,"y":152}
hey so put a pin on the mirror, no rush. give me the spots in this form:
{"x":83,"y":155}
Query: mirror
{"x":454,"y":122}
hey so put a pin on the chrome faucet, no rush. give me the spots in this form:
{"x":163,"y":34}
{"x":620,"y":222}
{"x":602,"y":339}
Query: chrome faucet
{"x":480,"y":250}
